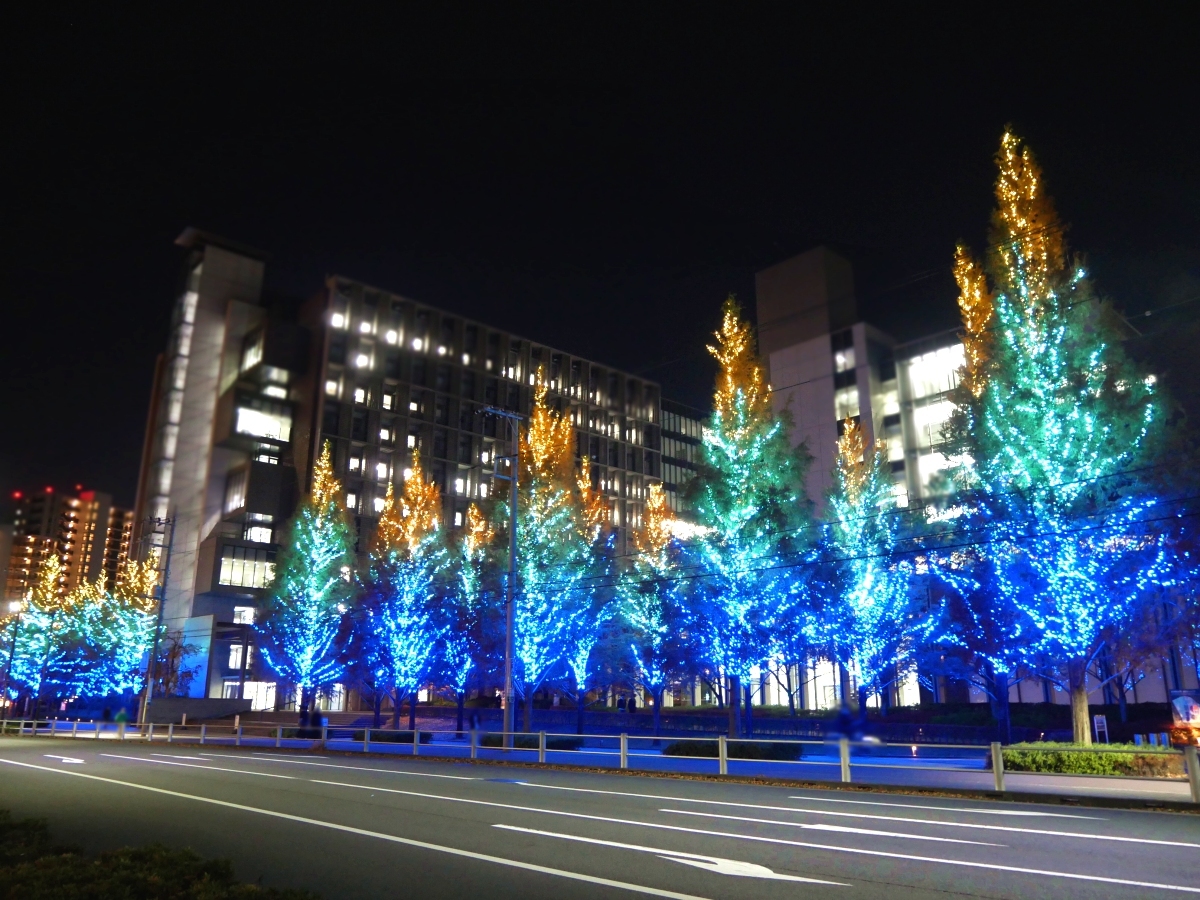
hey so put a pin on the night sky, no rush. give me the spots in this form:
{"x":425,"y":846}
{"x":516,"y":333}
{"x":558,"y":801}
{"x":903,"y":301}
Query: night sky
{"x":596,"y":183}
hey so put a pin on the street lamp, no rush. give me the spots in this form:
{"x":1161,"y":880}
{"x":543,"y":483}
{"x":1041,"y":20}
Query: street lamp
{"x":14,"y":606}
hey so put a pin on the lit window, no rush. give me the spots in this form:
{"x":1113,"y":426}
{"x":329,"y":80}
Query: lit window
{"x":381,"y":471}
{"x":407,"y":474}
{"x":459,"y":485}
{"x":355,"y":463}
{"x":246,"y":567}
{"x":385,"y":434}
{"x":362,"y":360}
{"x":389,"y":401}
{"x":392,"y":337}
{"x":259,"y":534}
{"x":457,"y":519}
{"x":274,"y":390}
{"x":378,"y":504}
{"x":484,"y":457}
{"x":352,"y":501}
{"x":412,"y":440}
{"x":488,"y":365}
{"x":337,"y":320}
{"x":413,"y":406}
{"x":483,"y":490}
{"x":331,"y":388}
{"x":532,"y":378}
{"x":466,"y":359}
{"x":417,"y":344}
{"x":243,"y":615}
{"x":275,"y":424}
{"x":235,"y":656}
{"x":360,"y":395}
{"x":441,"y":351}
{"x":365,"y":327}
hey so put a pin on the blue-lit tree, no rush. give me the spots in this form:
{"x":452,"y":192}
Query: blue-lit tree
{"x":750,"y":495}
{"x":405,"y":624}
{"x":116,"y":630}
{"x":1053,"y":420}
{"x":652,"y":601}
{"x":304,"y":614}
{"x":868,"y":618}
{"x":559,"y":520}
{"x":462,"y":646}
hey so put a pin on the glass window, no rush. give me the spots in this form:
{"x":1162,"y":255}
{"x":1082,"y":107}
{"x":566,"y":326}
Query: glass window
{"x":243,"y":615}
{"x":265,"y":420}
{"x":259,"y":534}
{"x":235,"y":656}
{"x":246,"y":567}
{"x":235,"y":490}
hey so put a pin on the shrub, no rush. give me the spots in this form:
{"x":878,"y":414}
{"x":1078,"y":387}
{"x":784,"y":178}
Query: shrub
{"x":32,"y":867}
{"x":1050,"y":757}
{"x":735,"y":749}
{"x":394,"y":737}
{"x":530,"y":742}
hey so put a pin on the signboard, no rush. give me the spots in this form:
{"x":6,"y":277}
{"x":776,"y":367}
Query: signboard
{"x":1185,"y":709}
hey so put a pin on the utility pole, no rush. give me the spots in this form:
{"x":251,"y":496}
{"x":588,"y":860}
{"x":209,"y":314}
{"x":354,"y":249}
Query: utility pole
{"x":510,"y":602}
{"x":151,"y":674}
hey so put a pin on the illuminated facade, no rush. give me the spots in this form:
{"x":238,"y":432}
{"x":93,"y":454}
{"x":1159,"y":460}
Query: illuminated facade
{"x":682,"y":427}
{"x":250,"y":388}
{"x":89,"y":534}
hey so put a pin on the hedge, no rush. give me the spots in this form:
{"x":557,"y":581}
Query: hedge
{"x":32,"y":867}
{"x":735,"y":749}
{"x":1046,"y":756}
{"x":530,"y":742}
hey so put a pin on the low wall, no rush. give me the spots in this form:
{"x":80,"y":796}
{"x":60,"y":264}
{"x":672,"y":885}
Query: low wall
{"x":164,"y":710}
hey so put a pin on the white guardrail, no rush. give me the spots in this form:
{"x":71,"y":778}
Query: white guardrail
{"x":564,"y":745}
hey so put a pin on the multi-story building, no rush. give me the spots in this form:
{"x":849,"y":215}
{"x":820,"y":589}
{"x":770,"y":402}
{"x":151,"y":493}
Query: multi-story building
{"x":89,"y":534}
{"x":682,"y":427}
{"x":251,"y":388}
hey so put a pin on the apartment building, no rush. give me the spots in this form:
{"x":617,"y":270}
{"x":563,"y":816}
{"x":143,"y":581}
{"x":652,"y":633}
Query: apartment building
{"x":90,"y":535}
{"x":251,"y":387}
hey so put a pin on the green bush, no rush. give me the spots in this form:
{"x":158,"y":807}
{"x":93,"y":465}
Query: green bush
{"x":530,"y":742}
{"x":33,"y":868}
{"x":394,"y":737}
{"x":1046,"y":756}
{"x":735,"y":749}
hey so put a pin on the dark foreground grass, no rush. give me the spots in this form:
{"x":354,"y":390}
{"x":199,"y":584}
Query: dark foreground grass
{"x":34,"y":867}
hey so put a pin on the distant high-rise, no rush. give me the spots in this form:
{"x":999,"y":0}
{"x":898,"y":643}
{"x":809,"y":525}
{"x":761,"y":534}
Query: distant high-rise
{"x":89,"y":534}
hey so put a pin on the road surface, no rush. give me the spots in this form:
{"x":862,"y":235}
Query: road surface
{"x":350,"y":827}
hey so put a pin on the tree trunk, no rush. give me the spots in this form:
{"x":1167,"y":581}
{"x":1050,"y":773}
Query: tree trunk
{"x":1122,"y":701}
{"x":412,"y":712}
{"x":885,"y":699}
{"x":377,"y":708}
{"x":658,"y":697}
{"x":397,"y":702}
{"x":791,"y":695}
{"x":528,"y":725}
{"x":864,"y":694}
{"x":750,"y":710}
{"x":580,"y":701}
{"x":306,"y":699}
{"x":1077,"y":678}
{"x":733,"y":703}
{"x":462,"y":699}
{"x":1003,"y":712}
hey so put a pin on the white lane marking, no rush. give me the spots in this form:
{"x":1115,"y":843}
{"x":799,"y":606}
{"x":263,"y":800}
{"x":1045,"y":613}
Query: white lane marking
{"x":163,"y":762}
{"x":66,"y":759}
{"x":177,"y":756}
{"x":986,"y":812}
{"x":850,"y":815}
{"x":716,"y":864}
{"x":936,"y":860}
{"x":301,"y":762}
{"x":283,"y":755}
{"x":453,"y":851}
{"x":842,"y":829}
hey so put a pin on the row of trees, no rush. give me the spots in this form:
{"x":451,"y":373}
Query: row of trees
{"x":90,"y":641}
{"x":1058,"y":555}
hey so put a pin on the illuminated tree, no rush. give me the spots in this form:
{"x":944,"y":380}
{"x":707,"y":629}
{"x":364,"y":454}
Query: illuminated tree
{"x":463,"y":644}
{"x":750,"y":493}
{"x":405,"y":626}
{"x":557,"y":526}
{"x":868,"y":619}
{"x":652,"y":602}
{"x":304,"y":613}
{"x":116,"y":629}
{"x":44,"y":643}
{"x":1052,"y":418}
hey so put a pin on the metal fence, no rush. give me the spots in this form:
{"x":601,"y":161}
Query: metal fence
{"x":640,"y":752}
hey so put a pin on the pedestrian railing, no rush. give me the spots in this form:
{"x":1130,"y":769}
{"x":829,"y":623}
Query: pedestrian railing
{"x":698,"y":755}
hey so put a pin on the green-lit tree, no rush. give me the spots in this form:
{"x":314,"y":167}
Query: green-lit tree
{"x":304,"y":614}
{"x":749,"y":492}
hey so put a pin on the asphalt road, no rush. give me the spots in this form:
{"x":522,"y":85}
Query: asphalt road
{"x":351,"y":827}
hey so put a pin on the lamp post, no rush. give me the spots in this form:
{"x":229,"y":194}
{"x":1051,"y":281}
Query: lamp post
{"x":14,"y":606}
{"x":510,"y":602}
{"x":162,"y":599}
